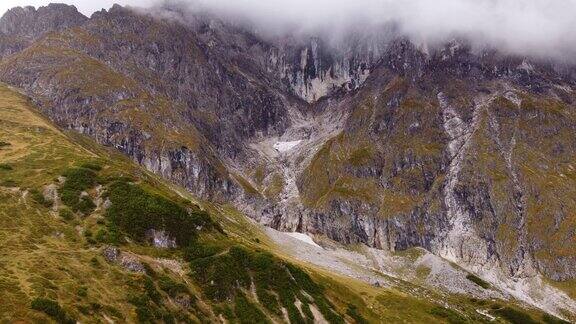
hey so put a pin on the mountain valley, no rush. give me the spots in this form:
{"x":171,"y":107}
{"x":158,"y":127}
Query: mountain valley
{"x":369,"y":179}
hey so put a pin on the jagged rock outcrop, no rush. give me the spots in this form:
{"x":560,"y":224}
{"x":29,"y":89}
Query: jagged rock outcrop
{"x":315,"y":69}
{"x":31,"y":22}
{"x":21,"y":25}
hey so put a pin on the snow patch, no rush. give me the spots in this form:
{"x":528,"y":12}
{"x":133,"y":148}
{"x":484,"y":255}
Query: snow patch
{"x":304,"y":238}
{"x":285,"y":146}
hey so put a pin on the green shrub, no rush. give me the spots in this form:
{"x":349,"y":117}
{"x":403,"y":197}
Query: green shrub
{"x":197,"y":250}
{"x":449,"y":315}
{"x":151,"y":290}
{"x":278,"y":284}
{"x":82,"y":291}
{"x":225,"y":311}
{"x":101,"y":236}
{"x":8,"y":183}
{"x":247,"y":312}
{"x":136,"y":211}
{"x":268,"y":300}
{"x":515,"y":316}
{"x":220,"y":276}
{"x":66,"y":214}
{"x":550,"y":319}
{"x":352,"y":311}
{"x":77,"y":181}
{"x":171,"y":287}
{"x":307,"y":312}
{"x":38,"y":197}
{"x":143,"y":309}
{"x":92,"y":166}
{"x":478,"y":281}
{"x":52,"y":309}
{"x":6,"y":167}
{"x":85,"y":205}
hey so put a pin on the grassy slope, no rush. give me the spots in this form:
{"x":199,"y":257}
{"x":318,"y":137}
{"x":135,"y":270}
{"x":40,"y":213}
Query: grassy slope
{"x":41,"y":255}
{"x":44,"y":255}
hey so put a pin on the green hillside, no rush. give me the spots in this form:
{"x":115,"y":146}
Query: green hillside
{"x":75,"y":244}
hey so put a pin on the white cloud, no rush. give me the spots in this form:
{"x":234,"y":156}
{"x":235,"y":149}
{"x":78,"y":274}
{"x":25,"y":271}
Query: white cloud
{"x":536,"y":27}
{"x":533,"y":27}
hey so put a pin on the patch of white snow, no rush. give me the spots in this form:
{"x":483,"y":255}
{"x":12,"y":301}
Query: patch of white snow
{"x":286,"y":146}
{"x":304,"y":238}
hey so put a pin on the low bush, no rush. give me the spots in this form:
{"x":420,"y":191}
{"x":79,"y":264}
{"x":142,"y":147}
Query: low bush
{"x":136,"y":211}
{"x":171,"y":287}
{"x":92,"y":166}
{"x":247,"y":312}
{"x":39,"y":198}
{"x":6,"y":167}
{"x":144,"y":311}
{"x":449,"y":315}
{"x":151,"y":290}
{"x":4,"y":144}
{"x":66,"y":214}
{"x":197,"y":250}
{"x":82,"y":291}
{"x":278,"y":284}
{"x":220,"y":276}
{"x":550,"y":319}
{"x":77,"y":181}
{"x":352,"y":311}
{"x":478,"y":281}
{"x":515,"y":316}
{"x":52,"y":309}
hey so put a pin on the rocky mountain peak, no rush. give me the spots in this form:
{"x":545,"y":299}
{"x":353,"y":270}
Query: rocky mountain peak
{"x":31,"y":22}
{"x":368,"y":139}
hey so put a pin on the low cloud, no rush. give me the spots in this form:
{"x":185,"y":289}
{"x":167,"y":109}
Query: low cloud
{"x":543,"y":28}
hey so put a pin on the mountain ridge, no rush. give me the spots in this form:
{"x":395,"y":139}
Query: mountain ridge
{"x":403,"y":151}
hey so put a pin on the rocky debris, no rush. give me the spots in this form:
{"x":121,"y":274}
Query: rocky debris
{"x":128,"y":261}
{"x":183,"y":300}
{"x":175,"y":266}
{"x":50,"y":194}
{"x":111,"y":253}
{"x":106,"y":204}
{"x":461,"y":243}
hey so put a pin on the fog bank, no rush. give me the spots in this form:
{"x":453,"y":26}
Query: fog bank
{"x":544,"y":28}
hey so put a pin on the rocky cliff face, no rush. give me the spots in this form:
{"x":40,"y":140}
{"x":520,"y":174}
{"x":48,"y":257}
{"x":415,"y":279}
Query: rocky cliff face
{"x":372,"y":140}
{"x":20,"y":26}
{"x":31,"y":23}
{"x":315,"y":69}
{"x":434,"y":152}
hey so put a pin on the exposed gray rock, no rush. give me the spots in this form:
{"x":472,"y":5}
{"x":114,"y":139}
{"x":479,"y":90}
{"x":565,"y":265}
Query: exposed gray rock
{"x":183,"y":300}
{"x":31,"y":22}
{"x":111,"y":253}
{"x":128,"y":261}
{"x":161,"y":239}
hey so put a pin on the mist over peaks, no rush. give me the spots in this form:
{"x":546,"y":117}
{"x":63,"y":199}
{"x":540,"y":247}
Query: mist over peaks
{"x":540,"y":28}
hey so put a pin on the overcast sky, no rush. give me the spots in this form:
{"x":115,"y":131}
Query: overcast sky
{"x":539,"y":27}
